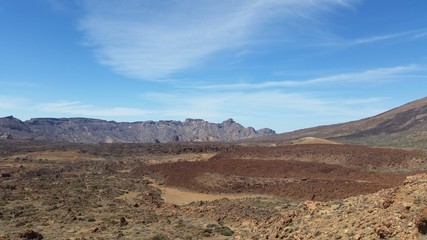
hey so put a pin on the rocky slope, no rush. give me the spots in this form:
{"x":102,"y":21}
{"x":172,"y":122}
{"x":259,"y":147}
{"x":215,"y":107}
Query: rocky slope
{"x":395,"y":213}
{"x":404,"y":126}
{"x":94,"y":131}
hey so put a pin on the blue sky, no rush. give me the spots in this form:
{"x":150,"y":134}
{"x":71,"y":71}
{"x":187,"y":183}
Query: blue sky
{"x":282,"y":64}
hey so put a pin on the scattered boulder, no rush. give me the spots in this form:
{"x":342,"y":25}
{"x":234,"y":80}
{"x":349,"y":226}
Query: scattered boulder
{"x":383,"y":232}
{"x":5,"y":175}
{"x":386,"y":203}
{"x":30,"y":234}
{"x":421,"y":222}
{"x":123,"y":222}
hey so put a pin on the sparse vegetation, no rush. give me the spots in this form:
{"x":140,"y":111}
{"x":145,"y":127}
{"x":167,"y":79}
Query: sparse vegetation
{"x":3,"y":202}
{"x":160,"y":237}
{"x":224,"y":230}
{"x":113,"y":198}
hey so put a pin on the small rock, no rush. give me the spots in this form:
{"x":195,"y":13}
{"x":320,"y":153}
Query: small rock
{"x":6,"y":175}
{"x":123,"y":222}
{"x":421,"y":222}
{"x":406,"y":206}
{"x":120,"y":234}
{"x":387,"y":203}
{"x":383,"y":232}
{"x":30,"y":234}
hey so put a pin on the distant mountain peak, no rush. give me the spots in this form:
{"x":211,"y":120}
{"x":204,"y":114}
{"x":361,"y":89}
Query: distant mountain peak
{"x":230,"y":120}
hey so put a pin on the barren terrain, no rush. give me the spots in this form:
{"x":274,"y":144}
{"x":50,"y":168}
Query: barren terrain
{"x":298,"y":172}
{"x":210,"y":191}
{"x":404,"y":126}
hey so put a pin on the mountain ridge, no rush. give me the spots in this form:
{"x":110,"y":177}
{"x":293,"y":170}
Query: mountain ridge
{"x":403,"y":126}
{"x":88,"y":130}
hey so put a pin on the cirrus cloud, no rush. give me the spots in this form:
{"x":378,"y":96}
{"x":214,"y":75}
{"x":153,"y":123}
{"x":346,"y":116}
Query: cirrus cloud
{"x":76,"y":108}
{"x":370,"y":75}
{"x":151,"y":40}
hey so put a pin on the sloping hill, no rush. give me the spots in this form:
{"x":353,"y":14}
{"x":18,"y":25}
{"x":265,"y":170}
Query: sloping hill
{"x":404,"y":126}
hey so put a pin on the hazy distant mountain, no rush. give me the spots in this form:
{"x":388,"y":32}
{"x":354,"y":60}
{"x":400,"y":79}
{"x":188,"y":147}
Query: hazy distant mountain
{"x":94,"y":131}
{"x":405,"y":126}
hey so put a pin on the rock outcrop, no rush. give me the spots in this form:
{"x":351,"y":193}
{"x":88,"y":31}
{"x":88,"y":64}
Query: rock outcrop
{"x":87,"y":130}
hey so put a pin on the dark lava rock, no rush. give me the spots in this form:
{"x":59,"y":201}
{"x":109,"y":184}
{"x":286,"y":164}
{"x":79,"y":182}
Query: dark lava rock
{"x":5,"y":175}
{"x":123,"y":222}
{"x":421,"y":221}
{"x":30,"y":234}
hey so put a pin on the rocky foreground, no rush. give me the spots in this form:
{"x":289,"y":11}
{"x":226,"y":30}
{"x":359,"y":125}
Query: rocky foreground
{"x":57,"y":191}
{"x":94,"y":199}
{"x":396,"y":213}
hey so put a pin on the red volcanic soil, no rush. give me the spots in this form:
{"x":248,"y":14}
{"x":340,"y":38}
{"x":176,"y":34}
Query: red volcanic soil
{"x":271,"y":170}
{"x":344,"y":155}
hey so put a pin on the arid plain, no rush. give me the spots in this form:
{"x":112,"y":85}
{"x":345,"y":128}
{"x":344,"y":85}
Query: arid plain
{"x":301,"y":190}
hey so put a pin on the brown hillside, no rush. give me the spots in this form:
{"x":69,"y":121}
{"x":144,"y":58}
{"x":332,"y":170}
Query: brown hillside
{"x":404,"y":126}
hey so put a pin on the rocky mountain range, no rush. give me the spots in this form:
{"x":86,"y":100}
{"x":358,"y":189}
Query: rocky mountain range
{"x":87,"y":130}
{"x":404,"y":126}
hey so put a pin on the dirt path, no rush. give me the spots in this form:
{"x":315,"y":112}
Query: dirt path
{"x":182,"y":197}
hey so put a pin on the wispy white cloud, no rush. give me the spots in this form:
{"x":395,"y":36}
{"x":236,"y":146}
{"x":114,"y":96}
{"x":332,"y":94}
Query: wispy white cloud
{"x":378,"y":38}
{"x":370,"y":100}
{"x":371,"y":75}
{"x":75,"y":108}
{"x":11,"y":102}
{"x":333,"y":40}
{"x":283,"y":110}
{"x":421,"y":35}
{"x":17,"y":84}
{"x":413,"y":34}
{"x":150,"y":39}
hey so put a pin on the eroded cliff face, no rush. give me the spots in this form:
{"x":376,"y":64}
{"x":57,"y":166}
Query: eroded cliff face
{"x":94,"y":131}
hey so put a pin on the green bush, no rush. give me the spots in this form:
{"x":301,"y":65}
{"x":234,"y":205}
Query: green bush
{"x":224,"y":230}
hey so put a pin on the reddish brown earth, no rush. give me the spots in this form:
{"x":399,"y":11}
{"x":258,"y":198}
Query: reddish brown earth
{"x":76,"y":191}
{"x":354,"y":156}
{"x":301,"y":172}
